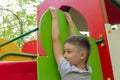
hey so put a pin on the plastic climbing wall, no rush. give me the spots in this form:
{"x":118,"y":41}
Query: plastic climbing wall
{"x":88,"y":16}
{"x":92,"y":17}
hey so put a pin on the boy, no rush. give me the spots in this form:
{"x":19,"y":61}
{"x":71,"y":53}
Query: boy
{"x":71,"y":65}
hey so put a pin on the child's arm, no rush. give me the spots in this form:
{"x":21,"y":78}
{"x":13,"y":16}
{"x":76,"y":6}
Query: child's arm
{"x":70,"y":22}
{"x":58,"y":53}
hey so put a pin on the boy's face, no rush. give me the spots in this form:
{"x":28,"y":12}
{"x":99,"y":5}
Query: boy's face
{"x":72,"y":54}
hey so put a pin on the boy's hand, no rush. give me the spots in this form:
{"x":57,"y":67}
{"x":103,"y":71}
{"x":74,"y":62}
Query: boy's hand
{"x":68,"y":17}
{"x":53,"y":11}
{"x":70,"y":22}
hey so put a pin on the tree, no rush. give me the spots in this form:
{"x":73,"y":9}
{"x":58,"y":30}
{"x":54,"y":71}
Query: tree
{"x":16,"y":18}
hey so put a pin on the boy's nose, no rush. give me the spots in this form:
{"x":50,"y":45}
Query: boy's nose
{"x":65,"y":55}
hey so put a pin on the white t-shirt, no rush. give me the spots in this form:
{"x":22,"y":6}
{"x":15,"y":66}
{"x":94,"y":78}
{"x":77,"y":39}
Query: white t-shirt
{"x":70,"y":72}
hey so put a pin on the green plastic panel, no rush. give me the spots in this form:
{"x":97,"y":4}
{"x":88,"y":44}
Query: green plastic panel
{"x":47,"y":67}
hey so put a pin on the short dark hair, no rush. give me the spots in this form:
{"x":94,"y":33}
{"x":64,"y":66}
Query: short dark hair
{"x":81,"y":42}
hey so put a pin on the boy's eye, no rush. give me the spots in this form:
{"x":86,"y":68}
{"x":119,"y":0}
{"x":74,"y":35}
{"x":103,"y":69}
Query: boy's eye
{"x":68,"y":52}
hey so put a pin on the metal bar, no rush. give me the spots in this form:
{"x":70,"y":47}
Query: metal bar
{"x":1,"y":45}
{"x":18,"y":54}
{"x":100,"y":40}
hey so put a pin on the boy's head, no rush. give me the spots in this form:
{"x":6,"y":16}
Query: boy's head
{"x":77,"y":49}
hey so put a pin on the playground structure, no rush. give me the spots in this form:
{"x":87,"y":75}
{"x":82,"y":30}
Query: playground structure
{"x":91,"y":16}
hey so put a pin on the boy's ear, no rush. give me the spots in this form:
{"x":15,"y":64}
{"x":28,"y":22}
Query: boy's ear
{"x":83,"y":55}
